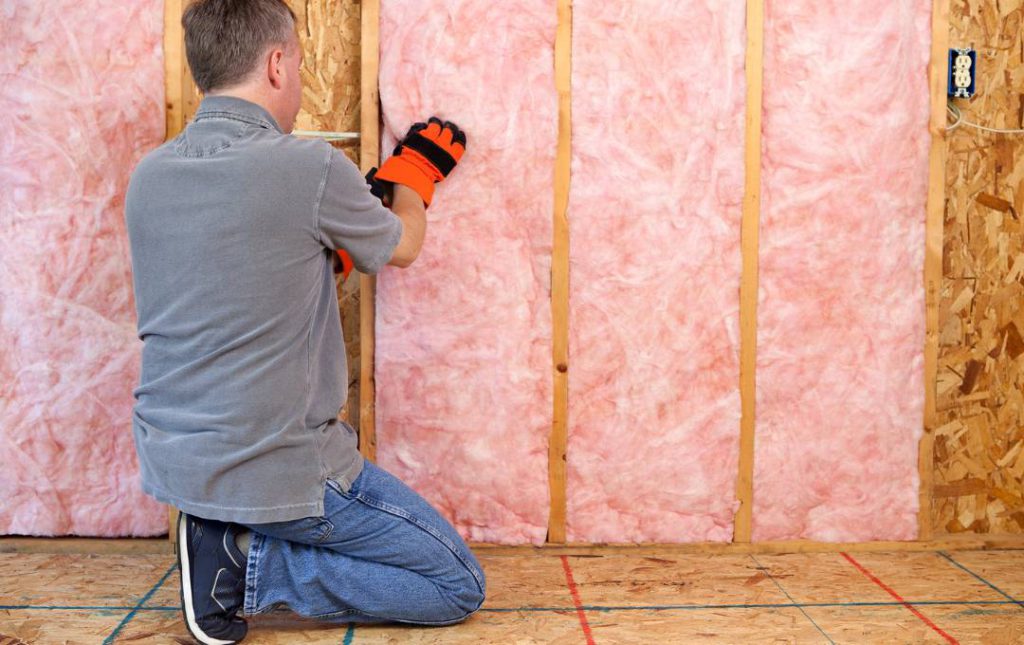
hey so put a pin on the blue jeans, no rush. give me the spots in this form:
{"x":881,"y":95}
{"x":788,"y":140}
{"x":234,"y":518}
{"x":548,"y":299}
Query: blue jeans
{"x":380,"y":553}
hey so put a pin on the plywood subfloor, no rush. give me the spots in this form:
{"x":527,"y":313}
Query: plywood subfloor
{"x":919,"y":597}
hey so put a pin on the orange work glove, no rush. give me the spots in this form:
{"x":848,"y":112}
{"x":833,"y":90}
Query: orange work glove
{"x":429,"y":152}
{"x":343,"y":264}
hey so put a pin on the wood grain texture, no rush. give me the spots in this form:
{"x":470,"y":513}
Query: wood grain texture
{"x":933,"y":252}
{"x":369,"y":128}
{"x":174,"y":58}
{"x":748,"y":286}
{"x":978,"y":481}
{"x":560,"y":277}
{"x":666,"y":598}
{"x":330,"y":33}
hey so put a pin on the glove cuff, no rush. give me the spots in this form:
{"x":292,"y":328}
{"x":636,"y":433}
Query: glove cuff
{"x":399,"y":170}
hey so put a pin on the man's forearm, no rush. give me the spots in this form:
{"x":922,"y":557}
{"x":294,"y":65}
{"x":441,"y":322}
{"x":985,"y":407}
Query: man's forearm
{"x":425,"y":157}
{"x":408,"y":206}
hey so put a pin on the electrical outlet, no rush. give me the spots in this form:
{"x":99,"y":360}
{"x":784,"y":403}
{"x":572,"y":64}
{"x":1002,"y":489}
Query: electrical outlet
{"x":962,"y":72}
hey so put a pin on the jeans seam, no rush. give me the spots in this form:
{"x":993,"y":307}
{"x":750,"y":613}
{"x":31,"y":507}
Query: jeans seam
{"x":394,"y":510}
{"x":344,"y":612}
{"x":326,"y":534}
{"x":250,"y":574}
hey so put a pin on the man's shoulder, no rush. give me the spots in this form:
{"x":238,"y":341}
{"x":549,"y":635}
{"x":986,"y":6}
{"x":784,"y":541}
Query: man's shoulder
{"x":152,"y":157}
{"x":149,"y":165}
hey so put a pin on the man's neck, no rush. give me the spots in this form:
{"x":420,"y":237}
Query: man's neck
{"x":251,"y":95}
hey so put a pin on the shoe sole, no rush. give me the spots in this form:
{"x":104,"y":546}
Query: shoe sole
{"x":184,"y":567}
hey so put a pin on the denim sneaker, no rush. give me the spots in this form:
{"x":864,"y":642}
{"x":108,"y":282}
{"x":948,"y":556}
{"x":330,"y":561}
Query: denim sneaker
{"x":212,"y":579}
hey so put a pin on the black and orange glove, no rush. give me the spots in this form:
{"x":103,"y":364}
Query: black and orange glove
{"x":427,"y":154}
{"x":379,"y":189}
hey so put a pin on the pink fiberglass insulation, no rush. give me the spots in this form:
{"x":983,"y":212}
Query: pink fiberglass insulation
{"x":463,"y":349}
{"x":655,"y":209}
{"x":82,"y":101}
{"x":841,"y":304}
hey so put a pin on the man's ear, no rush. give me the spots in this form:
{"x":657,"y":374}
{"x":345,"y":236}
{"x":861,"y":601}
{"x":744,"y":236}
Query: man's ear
{"x":274,"y":63}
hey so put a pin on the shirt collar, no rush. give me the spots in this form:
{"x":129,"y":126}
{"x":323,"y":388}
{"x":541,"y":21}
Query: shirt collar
{"x":222,"y":105}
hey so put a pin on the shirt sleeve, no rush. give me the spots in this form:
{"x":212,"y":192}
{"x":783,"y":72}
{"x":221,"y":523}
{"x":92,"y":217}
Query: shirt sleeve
{"x":349,"y":217}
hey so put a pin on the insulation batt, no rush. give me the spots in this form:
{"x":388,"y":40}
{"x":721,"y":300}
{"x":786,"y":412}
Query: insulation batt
{"x":658,"y":109}
{"x":463,"y":349}
{"x":840,"y":391}
{"x":82,"y":101}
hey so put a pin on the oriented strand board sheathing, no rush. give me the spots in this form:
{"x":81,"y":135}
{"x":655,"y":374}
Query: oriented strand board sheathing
{"x":82,"y":101}
{"x":329,"y":32}
{"x":654,"y":213}
{"x":840,"y":391}
{"x":463,"y":350}
{"x":979,"y":441}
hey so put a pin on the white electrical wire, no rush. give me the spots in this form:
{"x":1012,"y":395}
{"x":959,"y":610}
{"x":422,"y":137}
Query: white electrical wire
{"x":328,"y":136}
{"x":955,"y":111}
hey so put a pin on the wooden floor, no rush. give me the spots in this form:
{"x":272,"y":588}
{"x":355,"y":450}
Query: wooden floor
{"x":921,"y":597}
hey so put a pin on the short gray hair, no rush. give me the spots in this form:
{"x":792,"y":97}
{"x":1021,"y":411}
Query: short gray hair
{"x":225,"y":39}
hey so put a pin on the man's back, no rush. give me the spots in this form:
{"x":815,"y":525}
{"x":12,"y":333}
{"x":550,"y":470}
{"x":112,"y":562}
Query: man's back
{"x":232,"y":228}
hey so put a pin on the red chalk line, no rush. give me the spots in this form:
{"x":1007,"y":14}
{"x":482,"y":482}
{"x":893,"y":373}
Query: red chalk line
{"x":576,"y":601}
{"x":903,"y":602}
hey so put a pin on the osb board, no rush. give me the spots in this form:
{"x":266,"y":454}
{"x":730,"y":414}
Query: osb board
{"x":979,"y":439}
{"x":329,"y":32}
{"x":623,"y":598}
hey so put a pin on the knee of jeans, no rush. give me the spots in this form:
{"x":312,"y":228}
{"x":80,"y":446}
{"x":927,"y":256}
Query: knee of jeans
{"x":469,"y":596}
{"x":462,"y":608}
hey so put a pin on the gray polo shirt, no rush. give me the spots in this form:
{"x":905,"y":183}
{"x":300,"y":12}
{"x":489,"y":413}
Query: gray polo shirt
{"x":232,"y":227}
